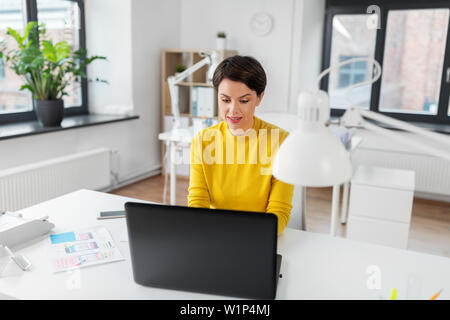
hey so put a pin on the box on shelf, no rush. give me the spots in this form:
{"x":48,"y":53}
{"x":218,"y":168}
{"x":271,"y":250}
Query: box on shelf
{"x":203,"y":101}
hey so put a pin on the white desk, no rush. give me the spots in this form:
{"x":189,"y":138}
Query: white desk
{"x":315,"y":266}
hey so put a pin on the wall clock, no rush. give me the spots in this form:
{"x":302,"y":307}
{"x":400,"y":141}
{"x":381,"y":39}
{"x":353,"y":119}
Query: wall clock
{"x":261,"y":24}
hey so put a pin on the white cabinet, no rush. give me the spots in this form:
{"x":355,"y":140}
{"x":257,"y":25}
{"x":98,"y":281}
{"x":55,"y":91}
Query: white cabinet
{"x":380,"y":206}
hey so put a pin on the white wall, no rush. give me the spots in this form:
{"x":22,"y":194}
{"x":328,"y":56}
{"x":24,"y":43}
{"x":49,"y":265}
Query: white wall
{"x":131,"y":33}
{"x":306,"y":60}
{"x":108,"y":33}
{"x":155,"y":26}
{"x":277,"y":52}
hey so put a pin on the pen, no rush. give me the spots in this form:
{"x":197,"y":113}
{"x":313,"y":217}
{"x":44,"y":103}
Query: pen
{"x":436,"y":295}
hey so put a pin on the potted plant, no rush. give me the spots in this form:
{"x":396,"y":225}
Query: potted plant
{"x":179,"y":69}
{"x":47,"y":69}
{"x":221,"y":40}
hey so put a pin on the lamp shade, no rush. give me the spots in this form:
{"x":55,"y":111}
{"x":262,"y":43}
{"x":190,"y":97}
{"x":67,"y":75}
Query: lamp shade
{"x":312,"y":155}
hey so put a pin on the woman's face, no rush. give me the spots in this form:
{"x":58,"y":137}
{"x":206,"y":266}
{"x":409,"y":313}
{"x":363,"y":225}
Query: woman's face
{"x":237,"y":104}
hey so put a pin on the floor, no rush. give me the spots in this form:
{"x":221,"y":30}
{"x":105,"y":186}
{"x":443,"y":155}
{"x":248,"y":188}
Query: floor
{"x":430,"y":222}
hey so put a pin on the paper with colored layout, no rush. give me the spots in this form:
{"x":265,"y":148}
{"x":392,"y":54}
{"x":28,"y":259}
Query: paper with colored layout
{"x":81,"y":248}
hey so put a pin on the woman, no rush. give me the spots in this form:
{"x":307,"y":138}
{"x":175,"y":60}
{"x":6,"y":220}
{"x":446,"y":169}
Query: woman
{"x":231,"y":161}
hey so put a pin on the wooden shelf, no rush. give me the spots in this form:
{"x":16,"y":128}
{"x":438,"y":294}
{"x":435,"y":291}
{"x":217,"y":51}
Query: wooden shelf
{"x":196,"y":84}
{"x":200,"y":117}
{"x":188,"y":115}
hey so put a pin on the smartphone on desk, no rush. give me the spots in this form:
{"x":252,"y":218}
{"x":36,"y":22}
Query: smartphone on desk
{"x":111,"y":214}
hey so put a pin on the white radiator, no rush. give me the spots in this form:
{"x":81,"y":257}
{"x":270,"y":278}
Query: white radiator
{"x":28,"y":185}
{"x":432,"y":174}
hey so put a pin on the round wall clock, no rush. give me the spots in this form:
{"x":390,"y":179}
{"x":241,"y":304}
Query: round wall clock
{"x":261,"y":24}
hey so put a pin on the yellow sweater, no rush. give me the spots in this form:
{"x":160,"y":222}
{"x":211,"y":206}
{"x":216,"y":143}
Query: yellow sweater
{"x":235,"y":172}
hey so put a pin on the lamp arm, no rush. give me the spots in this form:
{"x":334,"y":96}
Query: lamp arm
{"x":441,"y":138}
{"x":353,"y":117}
{"x":186,"y":73}
{"x":375,"y":77}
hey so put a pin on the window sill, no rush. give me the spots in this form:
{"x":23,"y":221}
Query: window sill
{"x":22,"y":129}
{"x":436,"y":127}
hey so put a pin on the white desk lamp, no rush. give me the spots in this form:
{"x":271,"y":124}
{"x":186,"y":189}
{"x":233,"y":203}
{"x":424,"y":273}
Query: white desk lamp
{"x":312,"y":156}
{"x":178,"y":134}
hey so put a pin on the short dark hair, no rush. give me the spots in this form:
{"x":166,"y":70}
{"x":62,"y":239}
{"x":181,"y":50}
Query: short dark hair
{"x":244,"y":69}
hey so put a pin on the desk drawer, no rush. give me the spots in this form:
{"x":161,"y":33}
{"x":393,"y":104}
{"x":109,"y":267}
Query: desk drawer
{"x":388,"y":233}
{"x":381,"y":203}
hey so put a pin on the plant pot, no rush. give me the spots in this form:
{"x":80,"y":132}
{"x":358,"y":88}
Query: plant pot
{"x":49,"y":112}
{"x":221,"y":43}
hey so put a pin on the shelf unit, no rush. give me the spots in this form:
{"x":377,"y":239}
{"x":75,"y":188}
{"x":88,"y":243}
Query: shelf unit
{"x":170,"y":58}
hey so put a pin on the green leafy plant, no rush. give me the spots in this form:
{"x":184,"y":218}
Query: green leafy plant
{"x":180,"y":68}
{"x":221,"y":34}
{"x":46,"y":68}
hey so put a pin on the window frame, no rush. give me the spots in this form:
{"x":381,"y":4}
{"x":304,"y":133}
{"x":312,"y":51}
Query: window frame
{"x":30,"y":14}
{"x":360,"y":7}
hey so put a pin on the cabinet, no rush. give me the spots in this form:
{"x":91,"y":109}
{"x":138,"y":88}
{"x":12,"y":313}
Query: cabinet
{"x":380,"y":206}
{"x":170,"y":59}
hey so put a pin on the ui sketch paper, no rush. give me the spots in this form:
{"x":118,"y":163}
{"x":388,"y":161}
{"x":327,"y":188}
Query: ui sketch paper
{"x":81,"y":248}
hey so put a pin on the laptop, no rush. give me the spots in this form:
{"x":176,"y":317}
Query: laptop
{"x":222,"y":252}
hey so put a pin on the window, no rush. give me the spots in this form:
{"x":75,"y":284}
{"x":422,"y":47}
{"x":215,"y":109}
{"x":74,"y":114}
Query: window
{"x":411,"y":41}
{"x":350,"y":39}
{"x":64,"y":20}
{"x":11,"y":15}
{"x":413,"y":60}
